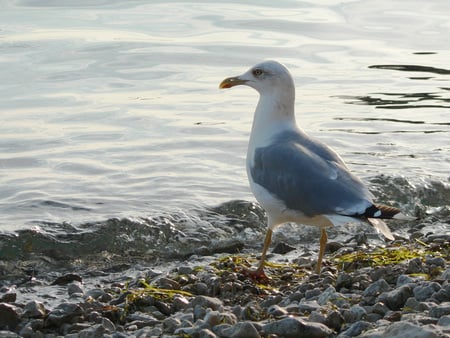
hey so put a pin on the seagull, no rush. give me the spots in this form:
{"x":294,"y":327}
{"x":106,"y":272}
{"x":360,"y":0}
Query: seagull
{"x":295,"y":177}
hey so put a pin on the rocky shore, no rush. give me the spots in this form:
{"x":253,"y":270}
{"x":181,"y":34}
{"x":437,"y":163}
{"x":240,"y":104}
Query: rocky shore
{"x":402,"y":290}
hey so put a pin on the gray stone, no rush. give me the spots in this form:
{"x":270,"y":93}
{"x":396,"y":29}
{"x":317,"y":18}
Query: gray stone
{"x":276,"y":311}
{"x":357,"y":328}
{"x":9,"y":296}
{"x":415,"y":266}
{"x":414,"y":305}
{"x":408,"y":330}
{"x":95,"y":293}
{"x":8,"y":334}
{"x":171,"y":324}
{"x":446,"y":275}
{"x":444,"y":321}
{"x":375,"y":289}
{"x":63,"y":313}
{"x":167,"y":283}
{"x":205,"y":333}
{"x":292,"y":327}
{"x":75,"y":288}
{"x":440,"y":310}
{"x":433,"y":262}
{"x":108,"y":325}
{"x":95,"y":331}
{"x":334,"y":320}
{"x":308,"y":306}
{"x":396,"y":298}
{"x":207,"y":302}
{"x":242,"y":330}
{"x":331,"y":296}
{"x":344,"y":280}
{"x":179,"y":303}
{"x":426,"y":290}
{"x":405,"y":279}
{"x":9,"y":316}
{"x":148,"y":332}
{"x":354,"y":314}
{"x":34,"y":309}
{"x":380,"y":308}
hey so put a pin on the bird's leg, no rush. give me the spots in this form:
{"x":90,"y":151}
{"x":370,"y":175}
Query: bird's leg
{"x":323,"y":243}
{"x":259,"y":272}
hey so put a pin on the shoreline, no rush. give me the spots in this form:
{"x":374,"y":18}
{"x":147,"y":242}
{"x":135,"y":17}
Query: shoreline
{"x":362,"y":291}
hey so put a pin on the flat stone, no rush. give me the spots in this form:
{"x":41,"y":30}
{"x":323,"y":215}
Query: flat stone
{"x":292,"y":327}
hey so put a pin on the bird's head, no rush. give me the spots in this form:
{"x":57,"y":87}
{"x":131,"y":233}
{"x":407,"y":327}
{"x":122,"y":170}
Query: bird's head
{"x":267,"y":77}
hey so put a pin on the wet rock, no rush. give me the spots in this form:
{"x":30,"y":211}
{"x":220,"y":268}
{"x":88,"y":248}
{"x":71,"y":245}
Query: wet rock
{"x":292,"y":327}
{"x":75,"y":288}
{"x":10,"y":316}
{"x":67,"y":278}
{"x":63,"y":313}
{"x":282,"y":248}
{"x":396,"y":298}
{"x":9,"y":296}
{"x":34,"y":309}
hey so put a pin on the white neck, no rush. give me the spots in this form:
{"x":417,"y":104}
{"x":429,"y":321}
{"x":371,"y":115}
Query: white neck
{"x":273,"y":114}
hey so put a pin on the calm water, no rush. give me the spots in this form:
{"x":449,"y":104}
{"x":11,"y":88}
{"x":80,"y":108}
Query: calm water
{"x":112,"y":108}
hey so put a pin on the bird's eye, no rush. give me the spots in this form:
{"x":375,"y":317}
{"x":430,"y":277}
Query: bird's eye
{"x":257,"y":72}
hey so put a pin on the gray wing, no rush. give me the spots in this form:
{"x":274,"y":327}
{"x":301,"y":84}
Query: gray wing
{"x":309,"y":177}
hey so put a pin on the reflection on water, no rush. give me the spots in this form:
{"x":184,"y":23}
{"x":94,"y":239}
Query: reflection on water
{"x":111,"y":108}
{"x":387,"y":100}
{"x":413,"y":68}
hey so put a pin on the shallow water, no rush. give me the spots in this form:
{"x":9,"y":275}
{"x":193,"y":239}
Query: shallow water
{"x":111,"y":109}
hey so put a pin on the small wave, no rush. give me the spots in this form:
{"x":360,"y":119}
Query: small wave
{"x":229,"y":227}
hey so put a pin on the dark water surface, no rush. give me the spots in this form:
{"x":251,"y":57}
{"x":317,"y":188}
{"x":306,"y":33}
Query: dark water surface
{"x":115,"y":137}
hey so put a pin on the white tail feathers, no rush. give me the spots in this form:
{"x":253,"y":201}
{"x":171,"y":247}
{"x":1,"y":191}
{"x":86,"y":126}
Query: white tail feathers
{"x":404,"y":217}
{"x":380,"y":226}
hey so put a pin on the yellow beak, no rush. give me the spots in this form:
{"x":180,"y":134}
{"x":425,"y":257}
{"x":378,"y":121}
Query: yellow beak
{"x":231,"y":82}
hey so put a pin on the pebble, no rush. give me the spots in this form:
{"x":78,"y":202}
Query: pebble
{"x":292,"y":327}
{"x":215,"y":301}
